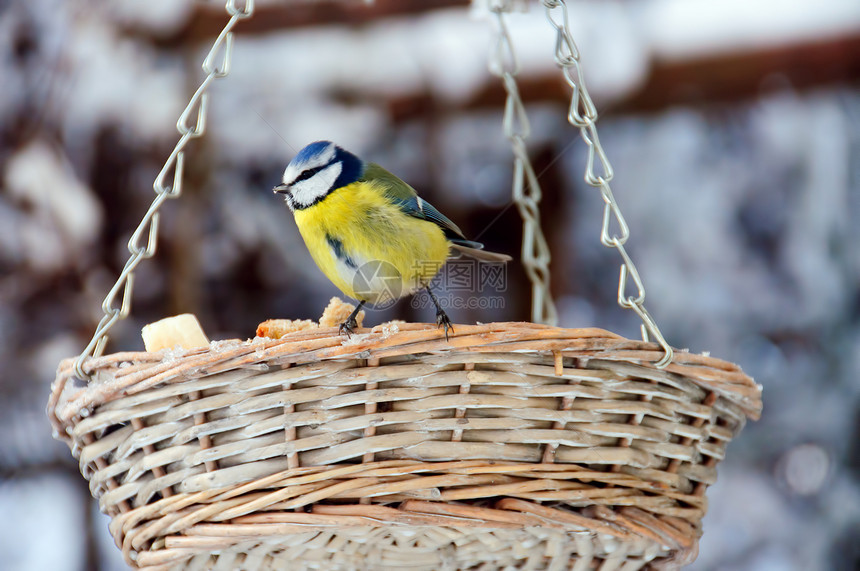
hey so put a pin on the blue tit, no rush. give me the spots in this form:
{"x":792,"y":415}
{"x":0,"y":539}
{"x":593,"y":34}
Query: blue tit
{"x":368,"y":231}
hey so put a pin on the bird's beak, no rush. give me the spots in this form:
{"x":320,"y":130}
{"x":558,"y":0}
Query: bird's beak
{"x":281,"y":189}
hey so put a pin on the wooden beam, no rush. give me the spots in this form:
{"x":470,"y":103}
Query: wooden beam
{"x":721,"y":78}
{"x":716,"y":78}
{"x":733,"y":77}
{"x":206,"y":20}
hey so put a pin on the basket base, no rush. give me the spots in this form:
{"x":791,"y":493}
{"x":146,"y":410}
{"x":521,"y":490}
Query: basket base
{"x":416,"y":548}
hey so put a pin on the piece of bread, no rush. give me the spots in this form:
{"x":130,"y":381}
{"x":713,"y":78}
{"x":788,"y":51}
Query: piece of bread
{"x":182,"y":331}
{"x":277,"y":328}
{"x":337,"y":312}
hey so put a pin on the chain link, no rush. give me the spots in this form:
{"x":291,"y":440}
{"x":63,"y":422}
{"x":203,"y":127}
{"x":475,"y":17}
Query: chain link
{"x":194,"y":112}
{"x":598,"y":173}
{"x":526,"y":189}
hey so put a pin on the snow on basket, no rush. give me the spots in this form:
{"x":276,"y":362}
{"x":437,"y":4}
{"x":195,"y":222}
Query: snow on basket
{"x":512,"y":445}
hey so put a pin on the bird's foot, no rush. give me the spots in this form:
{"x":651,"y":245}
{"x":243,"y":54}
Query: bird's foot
{"x":348,"y":327}
{"x":442,"y":320}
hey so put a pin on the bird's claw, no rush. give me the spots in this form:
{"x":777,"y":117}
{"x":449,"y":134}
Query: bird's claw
{"x":442,"y":320}
{"x":348,"y":327}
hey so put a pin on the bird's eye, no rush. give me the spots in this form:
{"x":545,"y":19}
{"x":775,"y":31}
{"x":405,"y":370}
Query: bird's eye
{"x":308,"y":174}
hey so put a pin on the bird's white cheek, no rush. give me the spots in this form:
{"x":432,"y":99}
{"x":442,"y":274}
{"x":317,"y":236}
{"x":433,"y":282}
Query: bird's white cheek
{"x":306,"y":192}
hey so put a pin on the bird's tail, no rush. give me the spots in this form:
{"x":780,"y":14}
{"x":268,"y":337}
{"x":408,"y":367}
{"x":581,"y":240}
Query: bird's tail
{"x":477,"y":253}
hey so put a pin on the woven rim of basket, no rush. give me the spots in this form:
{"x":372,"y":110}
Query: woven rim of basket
{"x":590,"y":344}
{"x":218,"y":514}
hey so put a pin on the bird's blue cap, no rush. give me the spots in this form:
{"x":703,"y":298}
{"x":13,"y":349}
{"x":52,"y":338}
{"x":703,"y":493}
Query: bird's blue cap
{"x":313,"y":150}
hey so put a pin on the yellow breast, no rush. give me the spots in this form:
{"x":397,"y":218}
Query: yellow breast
{"x":378,"y":243}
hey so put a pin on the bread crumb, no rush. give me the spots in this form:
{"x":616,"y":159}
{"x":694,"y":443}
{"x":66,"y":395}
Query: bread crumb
{"x":355,"y":339}
{"x":389,"y":327}
{"x":277,"y":328}
{"x":337,"y":312}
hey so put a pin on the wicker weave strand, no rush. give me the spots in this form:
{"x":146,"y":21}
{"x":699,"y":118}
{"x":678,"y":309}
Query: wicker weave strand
{"x":511,"y":445}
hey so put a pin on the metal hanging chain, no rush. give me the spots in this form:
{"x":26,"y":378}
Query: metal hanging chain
{"x":222,"y":47}
{"x":526,"y":189}
{"x":583,"y":114}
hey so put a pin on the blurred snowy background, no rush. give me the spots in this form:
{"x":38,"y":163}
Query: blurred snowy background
{"x":733,"y":126}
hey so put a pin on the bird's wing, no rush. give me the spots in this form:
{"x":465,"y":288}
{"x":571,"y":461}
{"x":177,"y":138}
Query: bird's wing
{"x":405,"y":197}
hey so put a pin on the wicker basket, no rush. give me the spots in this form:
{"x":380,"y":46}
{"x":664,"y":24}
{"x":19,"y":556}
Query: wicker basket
{"x":512,"y":445}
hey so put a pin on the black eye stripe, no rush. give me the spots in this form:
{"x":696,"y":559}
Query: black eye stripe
{"x":308,"y":174}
